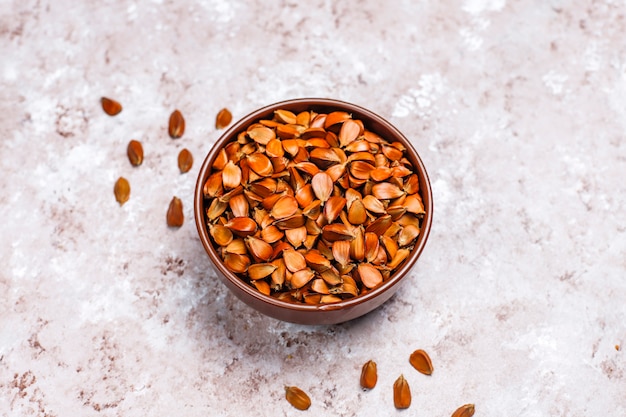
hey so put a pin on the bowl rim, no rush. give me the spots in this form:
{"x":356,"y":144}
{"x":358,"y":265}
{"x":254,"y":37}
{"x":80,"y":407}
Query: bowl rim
{"x":261,"y":112}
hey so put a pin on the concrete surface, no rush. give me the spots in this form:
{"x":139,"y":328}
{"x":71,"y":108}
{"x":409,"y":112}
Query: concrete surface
{"x":518,"y":109}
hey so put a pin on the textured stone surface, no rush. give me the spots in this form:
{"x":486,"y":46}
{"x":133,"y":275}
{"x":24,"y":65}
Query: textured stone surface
{"x":517,"y":108}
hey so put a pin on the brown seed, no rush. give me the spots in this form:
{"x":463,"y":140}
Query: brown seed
{"x":357,"y":246}
{"x":185,"y":160}
{"x":259,"y":271}
{"x":291,"y":222}
{"x":271,"y":234}
{"x":110,"y":106}
{"x":397,"y":210}
{"x":294,"y":261}
{"x":242,"y":226}
{"x":329,"y":298}
{"x":324,"y":158}
{"x":313,"y":210}
{"x":411,"y":185}
{"x":380,"y":173}
{"x":316,"y":261}
{"x":301,"y":278}
{"x":176,"y":127}
{"x":350,"y":130}
{"x":238,"y":190}
{"x":222,"y":236}
{"x":401,"y":393}
{"x":390,"y":245}
{"x":372,"y":245}
{"x":274,"y":148}
{"x":336,"y":171}
{"x":236,"y":263}
{"x":284,"y":207}
{"x":356,"y":213}
{"x":239,"y":205}
{"x":260,"y":164}
{"x":175,"y":215}
{"x":285,"y":116}
{"x":291,"y":146}
{"x":278,"y":276}
{"x":121,"y":190}
{"x":213,"y":185}
{"x":135,"y":152}
{"x":220,"y":160}
{"x":223,"y":119}
{"x":261,"y":135}
{"x":414,"y":204}
{"x":407,"y":235}
{"x":392,"y":153}
{"x":341,"y":251}
{"x":398,"y":258}
{"x":386,"y":191}
{"x":374,"y":205}
{"x":466,"y":410}
{"x":421,"y":361}
{"x":216,"y":209}
{"x":361,"y":170}
{"x":262,"y":286}
{"x":297,"y":398}
{"x":336,"y":117}
{"x":237,"y":246}
{"x":333,"y":207}
{"x":259,"y":248}
{"x":319,"y":286}
{"x":231,"y":175}
{"x":370,"y":276}
{"x":322,"y":186}
{"x":336,"y":231}
{"x":296,"y":236}
{"x":369,"y":375}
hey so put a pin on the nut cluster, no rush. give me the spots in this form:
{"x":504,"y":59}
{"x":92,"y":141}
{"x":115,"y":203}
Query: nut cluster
{"x":313,"y":207}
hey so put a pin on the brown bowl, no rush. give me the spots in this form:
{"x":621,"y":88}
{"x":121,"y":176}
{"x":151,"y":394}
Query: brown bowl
{"x":333,"y":313}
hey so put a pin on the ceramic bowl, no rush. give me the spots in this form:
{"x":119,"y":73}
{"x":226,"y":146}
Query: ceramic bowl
{"x":331,"y":313}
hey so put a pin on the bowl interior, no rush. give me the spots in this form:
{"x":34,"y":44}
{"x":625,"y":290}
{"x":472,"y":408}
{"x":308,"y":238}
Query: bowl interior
{"x":292,"y":311}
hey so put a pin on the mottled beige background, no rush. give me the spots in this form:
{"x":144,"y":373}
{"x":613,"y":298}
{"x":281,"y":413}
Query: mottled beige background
{"x":518,"y":109}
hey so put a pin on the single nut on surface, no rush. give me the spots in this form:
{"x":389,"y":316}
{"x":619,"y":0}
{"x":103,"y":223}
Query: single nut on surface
{"x":401,"y":393}
{"x":421,"y":361}
{"x":466,"y":410}
{"x":297,"y":398}
{"x":176,"y":126}
{"x":175,"y":217}
{"x":135,"y":152}
{"x":369,"y":375}
{"x":223,"y":119}
{"x":110,"y":106}
{"x":320,"y":208}
{"x":121,"y":190}
{"x":185,"y":160}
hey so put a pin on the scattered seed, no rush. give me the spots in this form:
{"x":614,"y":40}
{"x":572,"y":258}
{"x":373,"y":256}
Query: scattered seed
{"x":176,"y":126}
{"x":297,"y":398}
{"x":466,"y":410}
{"x":421,"y":361}
{"x":223,"y":119}
{"x":185,"y":160}
{"x":121,"y":190}
{"x":110,"y":106}
{"x":175,"y":215}
{"x":369,"y":375}
{"x":401,"y":393}
{"x":135,"y":152}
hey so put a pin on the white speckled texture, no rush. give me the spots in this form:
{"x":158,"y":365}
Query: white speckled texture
{"x":518,"y":109}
